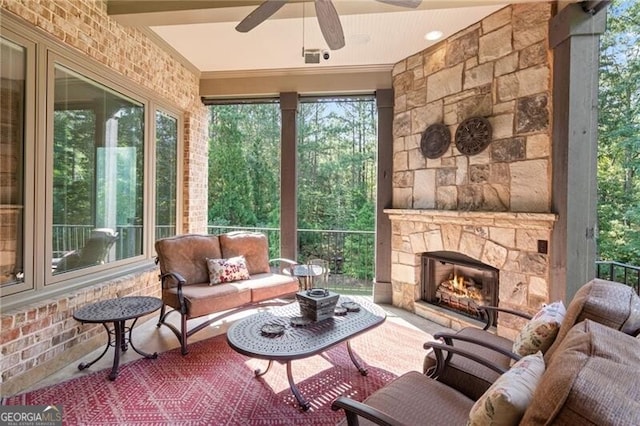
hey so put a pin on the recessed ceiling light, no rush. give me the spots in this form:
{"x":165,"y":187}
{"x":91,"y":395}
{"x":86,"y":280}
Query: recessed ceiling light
{"x":433,"y":35}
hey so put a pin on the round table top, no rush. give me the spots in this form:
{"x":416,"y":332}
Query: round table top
{"x":118,"y":309}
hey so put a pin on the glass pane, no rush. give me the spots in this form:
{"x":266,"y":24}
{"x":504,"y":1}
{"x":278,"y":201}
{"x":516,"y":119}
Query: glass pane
{"x":166,"y":174}
{"x":97,"y":174}
{"x":12,"y":121}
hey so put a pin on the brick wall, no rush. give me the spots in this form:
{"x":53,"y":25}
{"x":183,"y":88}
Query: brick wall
{"x":40,"y":338}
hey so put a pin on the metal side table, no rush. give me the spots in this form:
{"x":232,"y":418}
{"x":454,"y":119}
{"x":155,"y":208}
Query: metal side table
{"x":118,"y":311}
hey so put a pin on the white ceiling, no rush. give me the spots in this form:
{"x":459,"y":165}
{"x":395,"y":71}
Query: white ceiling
{"x":376,"y":34}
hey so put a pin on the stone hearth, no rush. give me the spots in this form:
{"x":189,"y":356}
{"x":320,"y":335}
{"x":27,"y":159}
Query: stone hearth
{"x":506,"y":241}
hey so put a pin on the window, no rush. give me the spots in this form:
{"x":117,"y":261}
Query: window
{"x":89,"y":161}
{"x":98,"y":174}
{"x":166,"y":174}
{"x":13,"y":70}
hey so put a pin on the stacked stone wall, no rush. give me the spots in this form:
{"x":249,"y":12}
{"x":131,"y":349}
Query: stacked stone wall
{"x":500,"y":69}
{"x":493,"y":206}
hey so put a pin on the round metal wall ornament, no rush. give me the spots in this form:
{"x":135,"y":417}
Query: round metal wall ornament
{"x":435,"y":141}
{"x":473,"y":135}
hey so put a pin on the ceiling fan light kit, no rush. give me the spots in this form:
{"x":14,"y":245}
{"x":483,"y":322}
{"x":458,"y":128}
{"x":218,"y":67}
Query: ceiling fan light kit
{"x":326,"y":13}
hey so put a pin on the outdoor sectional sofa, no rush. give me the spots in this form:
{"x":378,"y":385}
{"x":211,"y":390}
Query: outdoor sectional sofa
{"x":186,"y":285}
{"x":589,"y":374}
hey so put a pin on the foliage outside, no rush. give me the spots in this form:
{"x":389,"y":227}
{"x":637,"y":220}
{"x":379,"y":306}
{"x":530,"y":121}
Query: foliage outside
{"x":336,"y":176}
{"x":619,"y":135}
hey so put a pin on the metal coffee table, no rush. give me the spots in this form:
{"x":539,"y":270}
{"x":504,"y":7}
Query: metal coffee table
{"x":118,"y":311}
{"x":246,"y":336}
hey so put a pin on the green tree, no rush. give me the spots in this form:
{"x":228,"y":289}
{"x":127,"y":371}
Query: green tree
{"x":619,"y":135}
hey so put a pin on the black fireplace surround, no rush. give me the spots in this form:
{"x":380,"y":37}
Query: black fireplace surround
{"x":459,"y":283}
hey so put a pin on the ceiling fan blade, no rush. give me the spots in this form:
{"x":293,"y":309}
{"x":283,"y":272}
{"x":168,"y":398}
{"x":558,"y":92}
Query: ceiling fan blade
{"x":403,"y":3}
{"x":330,"y":24}
{"x":259,"y":15}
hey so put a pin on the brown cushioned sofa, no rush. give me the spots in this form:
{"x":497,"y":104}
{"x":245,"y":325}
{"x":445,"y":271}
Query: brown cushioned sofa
{"x":610,"y":303}
{"x":591,"y":378}
{"x":186,"y":288}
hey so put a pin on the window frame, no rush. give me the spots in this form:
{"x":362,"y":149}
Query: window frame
{"x":43,"y":53}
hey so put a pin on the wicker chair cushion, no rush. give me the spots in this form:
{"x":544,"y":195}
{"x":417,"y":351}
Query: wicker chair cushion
{"x":609,"y":303}
{"x":591,"y":379}
{"x":415,"y":399}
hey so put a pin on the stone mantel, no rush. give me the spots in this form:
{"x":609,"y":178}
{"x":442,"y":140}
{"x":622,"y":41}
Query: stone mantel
{"x":475,"y":218}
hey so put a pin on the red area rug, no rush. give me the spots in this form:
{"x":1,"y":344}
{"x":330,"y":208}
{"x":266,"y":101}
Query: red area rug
{"x":213,"y":385}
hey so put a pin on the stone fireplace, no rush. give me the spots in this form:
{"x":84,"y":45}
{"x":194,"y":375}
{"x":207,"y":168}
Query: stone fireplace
{"x":491,"y":207}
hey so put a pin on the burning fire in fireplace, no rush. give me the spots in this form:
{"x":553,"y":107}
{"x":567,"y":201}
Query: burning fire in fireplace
{"x":459,"y":283}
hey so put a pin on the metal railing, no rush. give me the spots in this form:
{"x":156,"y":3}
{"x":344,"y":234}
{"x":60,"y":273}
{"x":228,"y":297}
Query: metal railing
{"x":350,"y":254}
{"x":619,"y":272}
{"x":66,"y":238}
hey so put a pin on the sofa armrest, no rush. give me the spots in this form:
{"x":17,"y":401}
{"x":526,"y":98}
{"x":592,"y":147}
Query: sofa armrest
{"x":490,"y":312}
{"x":442,"y":361}
{"x":180,"y":283}
{"x":353,"y":409}
{"x":449,"y":338}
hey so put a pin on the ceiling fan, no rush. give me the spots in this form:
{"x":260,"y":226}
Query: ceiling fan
{"x":328,"y":18}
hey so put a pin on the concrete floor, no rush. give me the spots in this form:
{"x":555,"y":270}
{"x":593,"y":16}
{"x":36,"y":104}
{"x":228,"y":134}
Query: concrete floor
{"x":149,"y":338}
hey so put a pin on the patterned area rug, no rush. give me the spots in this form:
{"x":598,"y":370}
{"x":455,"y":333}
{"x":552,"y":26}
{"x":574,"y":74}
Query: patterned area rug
{"x":213,"y":385}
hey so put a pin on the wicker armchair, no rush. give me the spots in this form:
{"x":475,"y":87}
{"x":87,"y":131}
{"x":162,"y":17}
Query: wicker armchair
{"x":612,"y":304}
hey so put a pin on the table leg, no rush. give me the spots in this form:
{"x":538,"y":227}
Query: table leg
{"x":259,"y":373}
{"x":144,"y":354}
{"x":84,"y":365}
{"x":361,"y":369}
{"x":118,"y":327}
{"x":304,"y":405}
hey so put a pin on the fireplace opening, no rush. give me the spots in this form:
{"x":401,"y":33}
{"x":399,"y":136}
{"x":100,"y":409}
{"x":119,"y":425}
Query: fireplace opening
{"x":459,"y":283}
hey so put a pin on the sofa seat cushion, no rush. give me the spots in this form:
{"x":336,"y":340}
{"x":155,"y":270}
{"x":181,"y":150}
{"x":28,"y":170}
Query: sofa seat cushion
{"x":252,"y":245}
{"x":606,"y":302}
{"x":187,"y":255}
{"x":415,"y":399}
{"x":468,"y":376}
{"x":591,"y":379}
{"x":204,"y":299}
{"x":269,"y":286}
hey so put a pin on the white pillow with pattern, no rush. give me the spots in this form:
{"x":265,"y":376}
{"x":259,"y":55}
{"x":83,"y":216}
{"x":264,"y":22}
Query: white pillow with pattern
{"x":505,"y":402}
{"x":227,"y":270}
{"x":540,"y":332}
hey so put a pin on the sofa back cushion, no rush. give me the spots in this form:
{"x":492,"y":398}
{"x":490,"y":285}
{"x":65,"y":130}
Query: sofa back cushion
{"x":591,"y":379}
{"x":252,"y":245}
{"x":610,"y":303}
{"x":187,"y":255}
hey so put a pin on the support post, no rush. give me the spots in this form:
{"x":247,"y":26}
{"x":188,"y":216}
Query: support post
{"x":574,"y":38}
{"x":289,"y":176}
{"x":382,"y":291}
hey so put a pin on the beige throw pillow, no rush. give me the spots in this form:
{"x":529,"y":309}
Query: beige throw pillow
{"x":505,"y":402}
{"x":540,"y":332}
